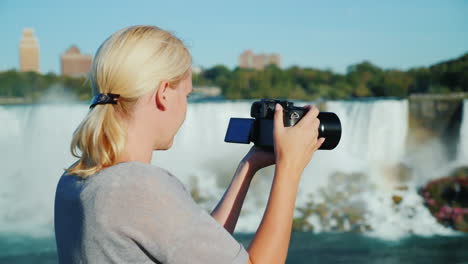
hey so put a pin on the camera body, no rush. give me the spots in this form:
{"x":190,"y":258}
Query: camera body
{"x":265,"y":109}
{"x":260,"y":129}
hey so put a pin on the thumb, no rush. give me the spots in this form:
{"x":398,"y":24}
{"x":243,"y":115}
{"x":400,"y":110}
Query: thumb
{"x":319,"y":143}
{"x":278,"y":119}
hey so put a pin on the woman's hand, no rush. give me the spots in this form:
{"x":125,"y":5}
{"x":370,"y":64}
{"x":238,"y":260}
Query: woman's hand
{"x":258,"y":158}
{"x":294,"y":146}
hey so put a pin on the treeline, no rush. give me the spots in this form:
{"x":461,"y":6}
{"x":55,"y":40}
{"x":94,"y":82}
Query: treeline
{"x":361,"y":80}
{"x":32,"y":85}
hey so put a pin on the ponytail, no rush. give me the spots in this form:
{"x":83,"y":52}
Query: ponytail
{"x":101,"y":137}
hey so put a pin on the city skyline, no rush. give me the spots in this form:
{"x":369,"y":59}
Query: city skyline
{"x":318,"y":34}
{"x":249,"y":59}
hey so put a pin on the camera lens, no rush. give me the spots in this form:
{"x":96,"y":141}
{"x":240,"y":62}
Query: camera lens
{"x":330,"y":129}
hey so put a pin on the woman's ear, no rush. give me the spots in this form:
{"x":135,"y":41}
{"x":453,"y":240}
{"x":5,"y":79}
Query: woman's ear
{"x":161,"y":96}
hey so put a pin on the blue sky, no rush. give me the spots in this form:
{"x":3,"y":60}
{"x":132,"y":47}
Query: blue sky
{"x":322,"y":34}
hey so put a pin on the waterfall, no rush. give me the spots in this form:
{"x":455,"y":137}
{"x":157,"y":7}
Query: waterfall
{"x":462,"y":154}
{"x":374,"y":146}
{"x":35,"y":149}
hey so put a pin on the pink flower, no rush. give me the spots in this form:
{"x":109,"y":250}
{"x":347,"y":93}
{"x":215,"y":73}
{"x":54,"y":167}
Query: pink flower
{"x":446,"y":209}
{"x":431,"y":202}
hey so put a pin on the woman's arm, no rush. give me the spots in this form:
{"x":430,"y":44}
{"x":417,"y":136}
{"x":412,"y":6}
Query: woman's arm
{"x":228,"y":209}
{"x":294,"y":147}
{"x":271,"y":242}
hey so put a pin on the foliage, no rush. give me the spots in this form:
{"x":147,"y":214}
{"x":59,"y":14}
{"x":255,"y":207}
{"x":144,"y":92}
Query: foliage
{"x":32,"y":85}
{"x":447,"y":199}
{"x":361,"y":80}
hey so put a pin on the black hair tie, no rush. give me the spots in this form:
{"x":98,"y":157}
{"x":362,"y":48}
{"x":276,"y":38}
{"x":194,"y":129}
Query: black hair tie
{"x":108,"y":98}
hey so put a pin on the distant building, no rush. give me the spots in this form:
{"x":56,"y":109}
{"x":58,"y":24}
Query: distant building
{"x":246,"y":59}
{"x":196,"y":69}
{"x":258,"y":61}
{"x":75,"y":64}
{"x":29,"y":51}
{"x":207,"y":91}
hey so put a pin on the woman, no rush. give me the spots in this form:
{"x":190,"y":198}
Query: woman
{"x":112,"y":205}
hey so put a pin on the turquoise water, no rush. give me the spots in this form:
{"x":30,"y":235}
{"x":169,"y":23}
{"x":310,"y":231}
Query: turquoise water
{"x":304,"y":248}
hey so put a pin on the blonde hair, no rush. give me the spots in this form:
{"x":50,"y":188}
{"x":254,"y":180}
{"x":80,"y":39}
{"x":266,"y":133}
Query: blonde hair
{"x":131,"y":62}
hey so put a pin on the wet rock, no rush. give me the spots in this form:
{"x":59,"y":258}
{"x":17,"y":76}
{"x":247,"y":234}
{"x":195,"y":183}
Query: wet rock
{"x":196,"y":192}
{"x":402,"y":188}
{"x":397,"y":199}
{"x":339,"y":208}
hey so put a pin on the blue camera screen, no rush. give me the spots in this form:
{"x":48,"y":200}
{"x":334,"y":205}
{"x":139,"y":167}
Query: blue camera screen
{"x":239,"y":130}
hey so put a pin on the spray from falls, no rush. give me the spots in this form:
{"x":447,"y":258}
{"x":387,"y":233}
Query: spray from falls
{"x":357,"y":180}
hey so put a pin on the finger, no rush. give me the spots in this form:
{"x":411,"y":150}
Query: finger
{"x":278,"y":123}
{"x":310,"y":115}
{"x":319,"y":143}
{"x":313,"y":112}
{"x":316,"y":124}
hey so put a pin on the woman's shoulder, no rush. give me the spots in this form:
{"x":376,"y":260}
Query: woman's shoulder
{"x":135,"y":169}
{"x":135,"y":176}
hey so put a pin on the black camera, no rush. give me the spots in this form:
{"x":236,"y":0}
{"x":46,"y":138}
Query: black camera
{"x":260,"y":129}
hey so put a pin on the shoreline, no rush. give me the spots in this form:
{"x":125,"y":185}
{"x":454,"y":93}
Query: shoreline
{"x":17,"y":101}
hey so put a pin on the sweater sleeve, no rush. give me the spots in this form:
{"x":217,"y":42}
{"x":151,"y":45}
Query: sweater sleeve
{"x":153,"y":210}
